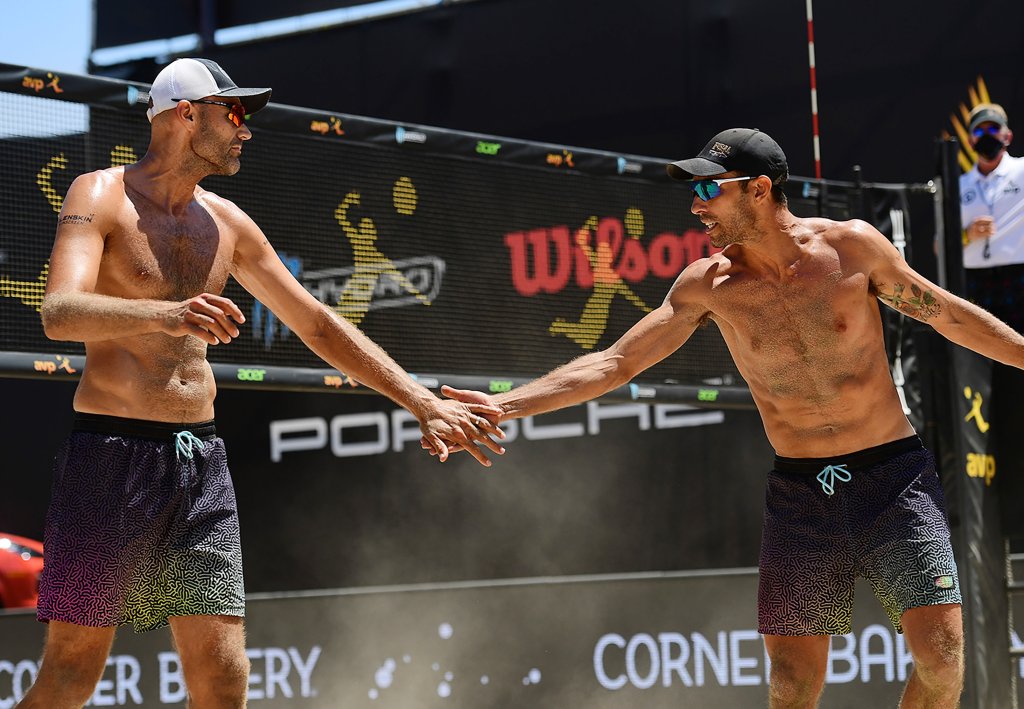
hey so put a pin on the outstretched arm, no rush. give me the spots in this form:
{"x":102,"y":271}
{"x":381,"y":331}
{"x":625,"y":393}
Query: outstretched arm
{"x":338,"y":342}
{"x":900,"y":287}
{"x":657,"y":335}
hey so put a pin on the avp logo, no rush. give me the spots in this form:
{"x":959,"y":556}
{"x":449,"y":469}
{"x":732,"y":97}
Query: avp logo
{"x":331,"y":125}
{"x":37,"y":85}
{"x":375,"y":281}
{"x":61,"y":362}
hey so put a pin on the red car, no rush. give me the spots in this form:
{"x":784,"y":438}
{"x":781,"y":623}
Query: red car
{"x":21,"y":562}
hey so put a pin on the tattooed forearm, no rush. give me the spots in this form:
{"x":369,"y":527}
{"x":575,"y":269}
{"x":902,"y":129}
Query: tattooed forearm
{"x":75,"y":219}
{"x":921,"y":304}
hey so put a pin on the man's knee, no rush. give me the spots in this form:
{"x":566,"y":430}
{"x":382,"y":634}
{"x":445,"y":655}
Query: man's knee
{"x":941,"y":664}
{"x":938,"y":651}
{"x":221,"y":681}
{"x":797,"y":670}
{"x":66,"y":678}
{"x":795,"y":682}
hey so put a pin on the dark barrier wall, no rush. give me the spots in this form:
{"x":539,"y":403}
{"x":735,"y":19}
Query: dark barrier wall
{"x":658,"y":77}
{"x":673,"y":641}
{"x":334,"y":490}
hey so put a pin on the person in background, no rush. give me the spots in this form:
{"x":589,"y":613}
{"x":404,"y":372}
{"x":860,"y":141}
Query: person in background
{"x":992,"y":214}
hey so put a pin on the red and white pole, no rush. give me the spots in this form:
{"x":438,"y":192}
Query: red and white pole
{"x":814,"y":91}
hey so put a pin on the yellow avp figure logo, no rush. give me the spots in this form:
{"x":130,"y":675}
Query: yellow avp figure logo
{"x":979,"y":465}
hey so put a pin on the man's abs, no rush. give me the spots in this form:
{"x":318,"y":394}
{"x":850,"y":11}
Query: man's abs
{"x":861,"y":418}
{"x":154,"y":378}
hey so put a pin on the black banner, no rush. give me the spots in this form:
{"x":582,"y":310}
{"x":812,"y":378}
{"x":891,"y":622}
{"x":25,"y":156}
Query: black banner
{"x":652,"y":641}
{"x":978,"y":536}
{"x":334,"y":491}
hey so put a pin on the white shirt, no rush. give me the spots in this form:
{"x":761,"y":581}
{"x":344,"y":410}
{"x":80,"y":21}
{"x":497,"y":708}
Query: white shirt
{"x":999,"y":194}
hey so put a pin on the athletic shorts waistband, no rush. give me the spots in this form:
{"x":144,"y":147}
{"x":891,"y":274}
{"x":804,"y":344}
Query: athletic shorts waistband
{"x":138,"y":428}
{"x":852,"y":461}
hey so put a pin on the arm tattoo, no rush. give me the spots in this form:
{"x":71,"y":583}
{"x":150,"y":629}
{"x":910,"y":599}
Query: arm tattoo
{"x":922,"y":305}
{"x":75,"y":219}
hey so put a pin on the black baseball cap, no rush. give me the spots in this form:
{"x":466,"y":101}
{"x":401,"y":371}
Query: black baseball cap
{"x":987,"y":113}
{"x":745,"y":150}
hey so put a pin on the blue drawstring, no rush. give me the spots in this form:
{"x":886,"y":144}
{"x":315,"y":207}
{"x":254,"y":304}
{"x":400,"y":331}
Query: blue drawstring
{"x":185,"y":440}
{"x":830,"y":474}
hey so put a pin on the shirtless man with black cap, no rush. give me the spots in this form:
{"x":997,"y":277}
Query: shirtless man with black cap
{"x":852,"y":492}
{"x":142,"y":526}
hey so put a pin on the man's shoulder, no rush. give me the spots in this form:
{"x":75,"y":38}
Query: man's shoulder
{"x":221,"y":206}
{"x":850,"y":236}
{"x":1015,"y":166}
{"x":832,"y":229}
{"x":106,"y":177}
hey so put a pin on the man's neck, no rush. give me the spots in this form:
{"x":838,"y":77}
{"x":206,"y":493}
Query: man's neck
{"x":164,"y":182}
{"x":987,"y":166}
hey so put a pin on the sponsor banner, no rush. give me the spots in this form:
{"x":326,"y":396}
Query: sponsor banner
{"x":459,"y":253}
{"x":977,"y":531}
{"x":652,"y":641}
{"x":79,"y":88}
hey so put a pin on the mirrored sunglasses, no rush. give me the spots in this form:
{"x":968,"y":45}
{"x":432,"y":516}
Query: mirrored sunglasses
{"x":709,"y":189}
{"x":236,"y":111}
{"x":990,"y":128}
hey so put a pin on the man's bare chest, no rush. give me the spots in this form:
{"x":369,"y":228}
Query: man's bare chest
{"x":151,"y":255}
{"x":814,"y":312}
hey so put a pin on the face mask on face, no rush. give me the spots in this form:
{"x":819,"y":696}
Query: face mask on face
{"x":988,"y":146}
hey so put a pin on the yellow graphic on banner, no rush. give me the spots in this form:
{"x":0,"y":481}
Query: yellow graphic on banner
{"x":28,"y":292}
{"x":976,"y":94}
{"x":31,"y":292}
{"x":122,"y":155}
{"x":980,"y":465}
{"x":975,"y":412}
{"x":587,"y":331}
{"x":370,"y":264}
{"x":45,"y":181}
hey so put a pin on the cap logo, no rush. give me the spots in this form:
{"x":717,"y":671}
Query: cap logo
{"x":720,"y":150}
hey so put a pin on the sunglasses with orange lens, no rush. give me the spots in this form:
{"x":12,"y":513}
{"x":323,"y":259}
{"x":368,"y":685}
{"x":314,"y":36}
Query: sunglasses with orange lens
{"x":236,"y":111}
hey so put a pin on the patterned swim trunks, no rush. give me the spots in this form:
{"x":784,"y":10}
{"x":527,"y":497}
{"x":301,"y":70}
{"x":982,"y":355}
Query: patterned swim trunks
{"x":878,"y":513}
{"x":142,"y":525}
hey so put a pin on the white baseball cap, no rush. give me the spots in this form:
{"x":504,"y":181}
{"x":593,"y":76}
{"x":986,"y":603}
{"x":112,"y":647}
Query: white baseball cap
{"x":192,"y":79}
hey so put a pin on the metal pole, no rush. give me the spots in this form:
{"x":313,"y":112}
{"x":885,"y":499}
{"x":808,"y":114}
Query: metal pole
{"x":814,"y":90}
